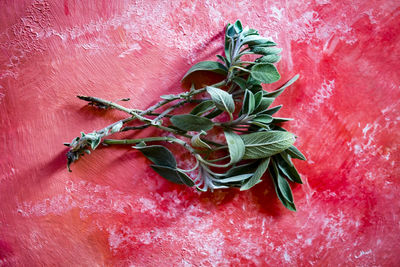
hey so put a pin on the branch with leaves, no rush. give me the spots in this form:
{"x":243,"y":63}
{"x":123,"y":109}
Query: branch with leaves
{"x":254,"y":140}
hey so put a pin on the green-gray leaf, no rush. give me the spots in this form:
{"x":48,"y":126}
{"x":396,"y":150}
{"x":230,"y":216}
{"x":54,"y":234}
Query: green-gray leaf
{"x":266,"y":50}
{"x":203,"y":107}
{"x":248,"y":103}
{"x":173,"y":175}
{"x":238,"y":26}
{"x":212,"y":66}
{"x":197,"y":142}
{"x":265,"y":144}
{"x":95,"y":142}
{"x":235,"y":146}
{"x":213,"y":113}
{"x":227,"y":48}
{"x":117,"y":127}
{"x":289,"y":171}
{"x":241,"y":82}
{"x":263,"y":118}
{"x":274,"y":174}
{"x":257,"y":40}
{"x":284,"y":187}
{"x":223,"y":100}
{"x":223,"y":59}
{"x":189,"y":122}
{"x":230,"y":31}
{"x":273,"y":110}
{"x":295,"y":153}
{"x":257,"y":175}
{"x":264,"y":104}
{"x":280,"y":90}
{"x":241,"y":169}
{"x":286,"y":157}
{"x":269,"y":59}
{"x":159,"y":155}
{"x":257,"y":99}
{"x":237,"y":178}
{"x":279,"y":120}
{"x":265,"y":73}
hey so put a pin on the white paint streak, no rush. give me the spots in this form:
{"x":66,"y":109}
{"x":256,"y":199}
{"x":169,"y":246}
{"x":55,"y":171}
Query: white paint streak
{"x":322,"y":94}
{"x":133,"y":47}
{"x":362,"y":253}
{"x":286,"y":257}
{"x":276,"y":13}
{"x":88,"y":197}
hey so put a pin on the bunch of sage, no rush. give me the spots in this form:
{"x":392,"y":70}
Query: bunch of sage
{"x":238,"y":107}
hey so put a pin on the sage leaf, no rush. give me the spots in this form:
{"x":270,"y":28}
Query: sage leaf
{"x":223,"y":100}
{"x":284,"y":187}
{"x":280,"y":90}
{"x":173,"y":175}
{"x":241,"y":169}
{"x":248,"y":103}
{"x":264,"y":104}
{"x":185,"y":178}
{"x":202,"y":108}
{"x":273,"y":110}
{"x":159,"y":155}
{"x":286,"y":157}
{"x":269,"y":59}
{"x":257,"y":175}
{"x":265,"y":73}
{"x":237,"y":178}
{"x":257,"y":40}
{"x":266,"y":50}
{"x":235,"y":146}
{"x":279,"y":120}
{"x":289,"y":171}
{"x":197,"y":142}
{"x":238,"y":26}
{"x":213,"y":113}
{"x":241,"y":82}
{"x":257,"y":99}
{"x":189,"y":122}
{"x":117,"y":127}
{"x":256,"y":88}
{"x":212,"y":66}
{"x":231,"y":32}
{"x":227,"y":47}
{"x":95,"y":142}
{"x":263,"y":118}
{"x":251,"y":81}
{"x":260,"y":124}
{"x":223,"y":59}
{"x":274,"y":175}
{"x":295,"y":153}
{"x":265,"y":144}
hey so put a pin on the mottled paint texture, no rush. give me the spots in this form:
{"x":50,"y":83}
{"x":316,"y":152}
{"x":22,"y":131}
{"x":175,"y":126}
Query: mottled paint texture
{"x":114,"y":210}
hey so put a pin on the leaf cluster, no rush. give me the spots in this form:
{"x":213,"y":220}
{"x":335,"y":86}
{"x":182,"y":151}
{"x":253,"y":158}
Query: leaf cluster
{"x":254,"y":140}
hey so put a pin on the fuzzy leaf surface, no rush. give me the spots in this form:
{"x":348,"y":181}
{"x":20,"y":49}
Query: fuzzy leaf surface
{"x":265,"y":144}
{"x":265,"y":73}
{"x":223,"y":100}
{"x":262,"y":167}
{"x":212,"y":66}
{"x":189,"y":122}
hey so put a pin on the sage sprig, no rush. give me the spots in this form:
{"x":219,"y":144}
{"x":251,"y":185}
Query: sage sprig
{"x":254,"y":140}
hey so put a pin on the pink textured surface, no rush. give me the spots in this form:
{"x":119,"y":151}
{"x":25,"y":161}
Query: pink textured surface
{"x":114,"y":210}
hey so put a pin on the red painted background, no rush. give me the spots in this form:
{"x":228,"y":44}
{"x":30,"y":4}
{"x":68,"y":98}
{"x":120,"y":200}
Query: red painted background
{"x":114,"y":210}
